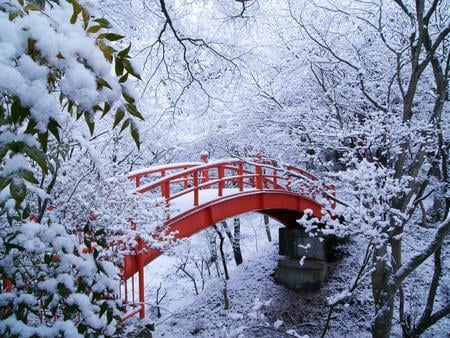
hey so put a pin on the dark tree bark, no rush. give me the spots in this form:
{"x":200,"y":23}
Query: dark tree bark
{"x":234,"y":239}
{"x":222,"y":253}
{"x":266,"y":225}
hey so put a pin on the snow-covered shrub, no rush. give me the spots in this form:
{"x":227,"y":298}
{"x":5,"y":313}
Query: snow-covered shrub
{"x":55,"y":68}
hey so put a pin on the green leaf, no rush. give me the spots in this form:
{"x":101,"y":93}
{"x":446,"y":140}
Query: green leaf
{"x":107,"y":51}
{"x":47,"y":259}
{"x":109,"y":316}
{"x":103,"y":309}
{"x":9,"y":246}
{"x":100,"y":232}
{"x":76,"y":10}
{"x":86,"y":17}
{"x":133,"y":111}
{"x":53,"y":126}
{"x":87,"y":242}
{"x":130,"y":69}
{"x":70,"y":106}
{"x":124,"y":78}
{"x":3,"y":150}
{"x":124,"y":52}
{"x":79,"y":113}
{"x":106,"y":109}
{"x":18,"y":191}
{"x":29,"y":176}
{"x":103,"y":22}
{"x":111,"y":36}
{"x":94,"y":29}
{"x":119,"y":116}
{"x":127,"y":97}
{"x":119,"y":67}
{"x":13,"y":15}
{"x":125,"y":125}
{"x":63,"y":291}
{"x":43,"y":139}
{"x":4,"y":182}
{"x":82,"y":328}
{"x":102,"y":83}
{"x":86,"y":228}
{"x":31,"y":127}
{"x":36,"y":155}
{"x":135,"y":135}
{"x":90,"y":122}
{"x":18,"y":112}
{"x":26,"y":212}
{"x":30,"y":7}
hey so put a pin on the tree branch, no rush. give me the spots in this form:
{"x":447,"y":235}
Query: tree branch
{"x":408,"y":267}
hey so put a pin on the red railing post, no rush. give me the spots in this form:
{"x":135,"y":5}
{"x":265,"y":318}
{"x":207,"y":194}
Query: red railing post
{"x":138,"y":181}
{"x":221,"y":172}
{"x":185,"y":178}
{"x":205,"y":172}
{"x":125,"y":290}
{"x":275,"y":183}
{"x":259,"y":173}
{"x":140,"y":265}
{"x":163,"y":193}
{"x":240,"y":174}
{"x":132,"y":290}
{"x":195,"y":188}
{"x":289,"y":187}
{"x":167,"y":190}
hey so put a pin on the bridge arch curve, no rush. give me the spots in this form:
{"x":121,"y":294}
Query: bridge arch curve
{"x":283,"y":206}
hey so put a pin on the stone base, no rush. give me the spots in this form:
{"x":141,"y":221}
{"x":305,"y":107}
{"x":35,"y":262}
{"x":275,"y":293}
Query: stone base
{"x":306,"y":277}
{"x":296,"y":243}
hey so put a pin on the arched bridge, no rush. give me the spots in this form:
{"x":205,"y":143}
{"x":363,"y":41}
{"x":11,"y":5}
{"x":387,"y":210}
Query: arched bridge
{"x":201,"y":194}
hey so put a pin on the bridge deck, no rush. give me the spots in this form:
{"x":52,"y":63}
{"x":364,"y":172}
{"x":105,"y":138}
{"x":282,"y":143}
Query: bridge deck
{"x":186,"y":202}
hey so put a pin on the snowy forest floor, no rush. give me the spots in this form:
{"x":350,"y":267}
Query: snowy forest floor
{"x":258,"y":306}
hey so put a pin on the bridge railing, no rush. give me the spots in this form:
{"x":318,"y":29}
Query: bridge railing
{"x":192,"y":177}
{"x":160,"y":170}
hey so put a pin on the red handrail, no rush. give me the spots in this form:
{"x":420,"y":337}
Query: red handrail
{"x":161,"y":169}
{"x":201,"y":178}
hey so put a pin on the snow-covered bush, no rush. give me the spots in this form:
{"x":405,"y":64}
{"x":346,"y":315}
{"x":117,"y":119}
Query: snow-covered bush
{"x":55,"y":68}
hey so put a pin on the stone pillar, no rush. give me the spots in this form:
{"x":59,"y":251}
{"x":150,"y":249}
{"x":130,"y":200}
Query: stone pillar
{"x":304,"y":266}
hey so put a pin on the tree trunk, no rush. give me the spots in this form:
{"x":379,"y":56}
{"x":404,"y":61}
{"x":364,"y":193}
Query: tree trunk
{"x":237,"y":242}
{"x":266,"y":224}
{"x":384,"y":310}
{"x":226,"y":301}
{"x":383,"y":289}
{"x":234,"y":239}
{"x":222,"y":253}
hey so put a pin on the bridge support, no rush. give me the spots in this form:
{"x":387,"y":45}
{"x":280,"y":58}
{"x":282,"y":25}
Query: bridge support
{"x":305,"y":266}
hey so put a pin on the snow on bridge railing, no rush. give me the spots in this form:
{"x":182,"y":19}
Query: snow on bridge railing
{"x":161,"y":170}
{"x":237,"y":173}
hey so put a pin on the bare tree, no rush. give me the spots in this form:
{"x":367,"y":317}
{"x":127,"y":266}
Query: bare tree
{"x":183,"y":267}
{"x":222,"y":252}
{"x":267,"y":227}
{"x":394,"y":88}
{"x":234,"y":238}
{"x":159,"y":299}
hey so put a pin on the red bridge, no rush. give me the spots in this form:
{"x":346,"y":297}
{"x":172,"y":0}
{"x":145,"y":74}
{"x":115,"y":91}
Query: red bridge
{"x":201,"y":194}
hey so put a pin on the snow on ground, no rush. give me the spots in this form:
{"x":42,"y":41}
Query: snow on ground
{"x":259,"y":307}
